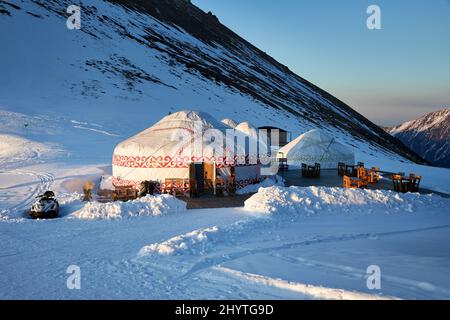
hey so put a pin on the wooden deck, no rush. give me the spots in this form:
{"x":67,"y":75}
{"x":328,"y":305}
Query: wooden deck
{"x":330,"y":178}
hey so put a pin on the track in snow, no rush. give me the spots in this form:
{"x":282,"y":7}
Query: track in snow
{"x":216,"y":261}
{"x":28,"y":192}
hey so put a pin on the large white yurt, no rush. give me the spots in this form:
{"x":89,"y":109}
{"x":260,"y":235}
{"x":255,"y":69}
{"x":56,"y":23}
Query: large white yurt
{"x":316,"y":146}
{"x":184,"y":145}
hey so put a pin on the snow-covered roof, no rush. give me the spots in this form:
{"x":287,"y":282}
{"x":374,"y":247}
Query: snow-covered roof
{"x":316,"y":146}
{"x":247,"y":128}
{"x":230,"y":122}
{"x":173,"y":135}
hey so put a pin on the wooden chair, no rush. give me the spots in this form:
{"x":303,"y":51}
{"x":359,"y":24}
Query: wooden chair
{"x":220,"y":187}
{"x":282,"y":164}
{"x":348,"y":182}
{"x":183,"y":186}
{"x":361,"y":173}
{"x":350,"y":170}
{"x":374,"y":175}
{"x":231,"y":185}
{"x":304,"y":170}
{"x":317,"y":170}
{"x":167,"y":186}
{"x":414,"y":183}
{"x":399,"y":186}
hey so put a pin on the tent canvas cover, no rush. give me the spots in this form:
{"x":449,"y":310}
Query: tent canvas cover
{"x":316,"y":146}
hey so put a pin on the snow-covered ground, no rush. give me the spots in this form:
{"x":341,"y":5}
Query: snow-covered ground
{"x":305,"y":243}
{"x":292,"y":243}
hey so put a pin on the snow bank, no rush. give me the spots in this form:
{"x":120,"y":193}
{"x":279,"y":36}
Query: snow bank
{"x":268,"y":182}
{"x":312,"y":200}
{"x":199,"y":241}
{"x":146,"y":206}
{"x":185,"y":242}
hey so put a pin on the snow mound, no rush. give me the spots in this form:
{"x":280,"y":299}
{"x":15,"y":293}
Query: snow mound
{"x":200,"y":241}
{"x":146,"y":206}
{"x":268,"y":182}
{"x":186,"y":242}
{"x":68,"y":199}
{"x":312,"y":200}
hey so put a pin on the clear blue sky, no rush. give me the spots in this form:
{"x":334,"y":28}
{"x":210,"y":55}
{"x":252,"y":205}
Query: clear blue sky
{"x":389,"y":75}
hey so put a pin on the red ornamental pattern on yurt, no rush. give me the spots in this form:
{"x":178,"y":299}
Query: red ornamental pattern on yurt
{"x":152,"y":162}
{"x":161,"y":187}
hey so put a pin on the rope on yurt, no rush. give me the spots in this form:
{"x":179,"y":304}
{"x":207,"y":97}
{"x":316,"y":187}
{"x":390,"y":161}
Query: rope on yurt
{"x":331,"y":142}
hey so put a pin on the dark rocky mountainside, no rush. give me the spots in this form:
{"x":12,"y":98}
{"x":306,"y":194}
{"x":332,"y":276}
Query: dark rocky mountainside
{"x":428,"y":136}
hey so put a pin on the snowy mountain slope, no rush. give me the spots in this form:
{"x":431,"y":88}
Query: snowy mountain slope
{"x":134,"y":61}
{"x":428,"y":136}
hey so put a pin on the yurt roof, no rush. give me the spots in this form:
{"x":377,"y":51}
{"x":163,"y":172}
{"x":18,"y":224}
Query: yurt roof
{"x":315,"y":141}
{"x":247,"y":128}
{"x":163,"y":138}
{"x":230,"y":122}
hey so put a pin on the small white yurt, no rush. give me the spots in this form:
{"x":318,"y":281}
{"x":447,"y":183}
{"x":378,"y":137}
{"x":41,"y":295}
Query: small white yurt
{"x":255,"y":145}
{"x":184,"y":145}
{"x":230,"y":122}
{"x":316,"y":146}
{"x":248,"y":129}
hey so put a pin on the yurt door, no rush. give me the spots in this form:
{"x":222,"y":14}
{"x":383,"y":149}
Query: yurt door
{"x":203,"y":174}
{"x":209,"y":172}
{"x":199,"y":177}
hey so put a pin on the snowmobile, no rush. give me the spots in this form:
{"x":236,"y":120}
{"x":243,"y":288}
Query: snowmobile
{"x":45,"y":207}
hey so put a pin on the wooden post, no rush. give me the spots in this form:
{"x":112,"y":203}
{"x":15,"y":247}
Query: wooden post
{"x":214,"y":178}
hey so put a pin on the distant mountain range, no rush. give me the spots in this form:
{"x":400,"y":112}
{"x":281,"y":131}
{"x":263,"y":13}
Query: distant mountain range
{"x":428,"y":136}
